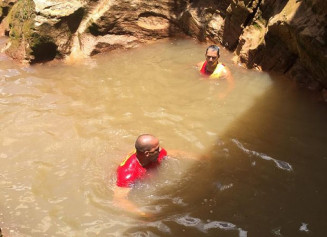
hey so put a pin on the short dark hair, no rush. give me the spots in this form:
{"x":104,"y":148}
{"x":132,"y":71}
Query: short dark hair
{"x":214,"y":48}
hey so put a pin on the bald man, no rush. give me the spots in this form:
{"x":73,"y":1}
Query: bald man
{"x":147,"y":156}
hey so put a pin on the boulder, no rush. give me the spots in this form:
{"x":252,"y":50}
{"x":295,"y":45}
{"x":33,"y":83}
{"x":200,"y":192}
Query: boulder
{"x":5,"y":7}
{"x":42,"y":30}
{"x":126,"y":23}
{"x":294,"y":34}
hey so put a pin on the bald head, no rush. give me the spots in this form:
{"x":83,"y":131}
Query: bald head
{"x":146,"y":142}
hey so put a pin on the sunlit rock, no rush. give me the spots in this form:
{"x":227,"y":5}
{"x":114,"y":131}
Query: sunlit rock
{"x":290,"y":37}
{"x":124,"y":24}
{"x":153,"y":22}
{"x":5,"y":6}
{"x":42,"y":30}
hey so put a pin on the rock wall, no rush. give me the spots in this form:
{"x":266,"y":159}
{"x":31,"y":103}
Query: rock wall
{"x":286,"y":36}
{"x":43,"y":30}
{"x":292,"y":41}
{"x":5,"y":7}
{"x":127,"y":23}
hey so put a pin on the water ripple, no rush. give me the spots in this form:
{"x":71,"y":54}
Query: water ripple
{"x":160,"y":226}
{"x":220,"y":224}
{"x":279,"y":163}
{"x":223,"y":187}
{"x":304,"y":227}
{"x":9,"y":73}
{"x":188,"y":220}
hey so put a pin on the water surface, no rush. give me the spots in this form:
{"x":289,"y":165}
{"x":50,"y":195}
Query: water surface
{"x":66,"y":127}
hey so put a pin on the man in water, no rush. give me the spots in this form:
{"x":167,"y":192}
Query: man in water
{"x":147,"y":156}
{"x":211,"y":66}
{"x":212,"y":69}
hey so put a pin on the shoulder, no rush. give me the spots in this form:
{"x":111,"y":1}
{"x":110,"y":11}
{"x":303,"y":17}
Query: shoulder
{"x":224,"y":67}
{"x":127,"y":171}
{"x":221,"y":65}
{"x":129,"y":158}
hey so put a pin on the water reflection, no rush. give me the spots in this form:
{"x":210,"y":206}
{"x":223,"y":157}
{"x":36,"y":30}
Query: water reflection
{"x":65,"y":128}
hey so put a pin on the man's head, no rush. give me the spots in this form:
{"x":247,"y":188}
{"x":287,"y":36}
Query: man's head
{"x":147,"y":149}
{"x":212,"y":55}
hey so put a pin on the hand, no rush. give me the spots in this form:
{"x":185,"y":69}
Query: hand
{"x":146,"y":216}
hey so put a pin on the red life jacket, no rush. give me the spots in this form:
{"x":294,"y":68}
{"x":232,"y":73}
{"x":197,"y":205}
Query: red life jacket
{"x":217,"y":73}
{"x":131,"y":170}
{"x":203,"y":70}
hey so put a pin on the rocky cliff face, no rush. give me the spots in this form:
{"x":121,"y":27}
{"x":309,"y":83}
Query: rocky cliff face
{"x":287,"y":36}
{"x":292,"y":40}
{"x":43,"y":30}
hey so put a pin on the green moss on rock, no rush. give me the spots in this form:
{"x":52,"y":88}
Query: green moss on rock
{"x":22,"y":32}
{"x":21,"y":22}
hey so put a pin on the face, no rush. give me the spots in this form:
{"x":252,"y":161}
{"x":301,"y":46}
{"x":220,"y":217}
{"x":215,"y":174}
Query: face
{"x":153,"y":154}
{"x":212,"y":57}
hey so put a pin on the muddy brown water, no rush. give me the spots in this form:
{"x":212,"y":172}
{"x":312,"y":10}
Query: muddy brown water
{"x":66,"y":127}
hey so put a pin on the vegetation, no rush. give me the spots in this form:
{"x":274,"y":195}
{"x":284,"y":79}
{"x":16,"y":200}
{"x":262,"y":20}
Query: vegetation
{"x":22,"y":32}
{"x":21,"y":21}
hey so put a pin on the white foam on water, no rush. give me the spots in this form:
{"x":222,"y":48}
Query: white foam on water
{"x":279,"y":163}
{"x":219,"y":224}
{"x":188,"y":221}
{"x":304,"y":227}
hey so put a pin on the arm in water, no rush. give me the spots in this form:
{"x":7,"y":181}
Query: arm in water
{"x":230,"y":83}
{"x":122,"y":201}
{"x":147,"y":155}
{"x":121,"y":198}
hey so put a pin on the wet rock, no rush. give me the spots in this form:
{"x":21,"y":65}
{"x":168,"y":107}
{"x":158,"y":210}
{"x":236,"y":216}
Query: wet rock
{"x":303,"y":77}
{"x":237,"y":17}
{"x":293,"y":32}
{"x":144,"y":20}
{"x":191,"y":24}
{"x":95,"y":45}
{"x":42,"y":30}
{"x":124,"y":24}
{"x":205,"y":20}
{"x":5,"y":7}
